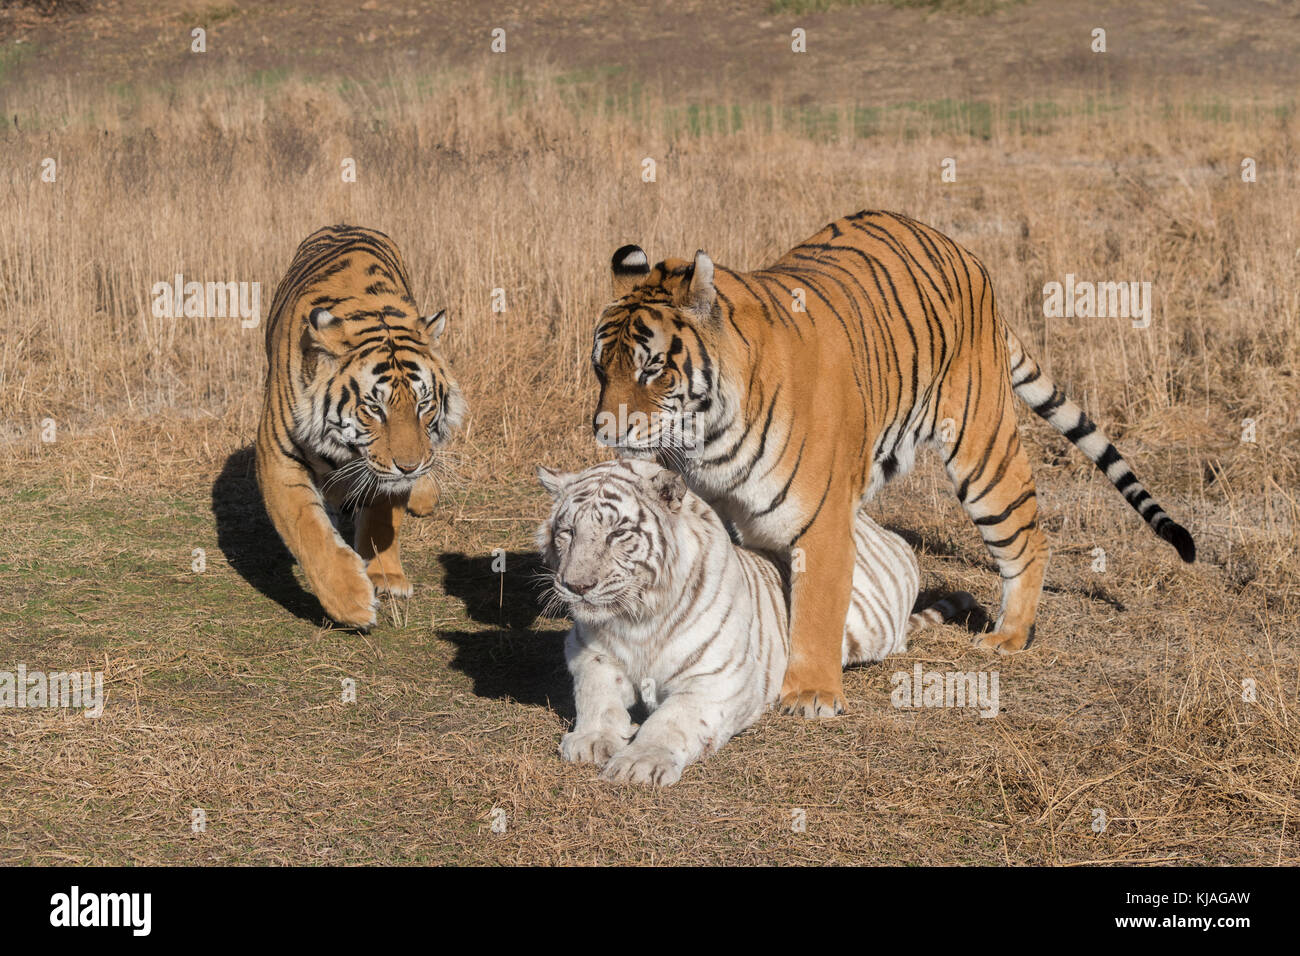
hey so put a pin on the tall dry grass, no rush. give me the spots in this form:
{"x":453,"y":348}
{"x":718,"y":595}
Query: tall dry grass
{"x":526,"y":180}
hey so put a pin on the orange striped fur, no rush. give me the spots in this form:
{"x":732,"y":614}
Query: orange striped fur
{"x":358,"y":400}
{"x":813,"y":382}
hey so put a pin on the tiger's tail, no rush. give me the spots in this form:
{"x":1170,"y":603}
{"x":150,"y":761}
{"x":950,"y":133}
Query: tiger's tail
{"x":1033,"y":387}
{"x":942,"y":610}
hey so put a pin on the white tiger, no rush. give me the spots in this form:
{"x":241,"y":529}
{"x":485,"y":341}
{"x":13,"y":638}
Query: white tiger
{"x":666,"y":608}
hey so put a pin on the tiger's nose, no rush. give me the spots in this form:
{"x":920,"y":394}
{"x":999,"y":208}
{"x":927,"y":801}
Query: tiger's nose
{"x":405,"y":467}
{"x":578,"y":589}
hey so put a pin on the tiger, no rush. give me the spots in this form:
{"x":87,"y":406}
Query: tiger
{"x":358,"y":401}
{"x":668,"y":610}
{"x":787,"y":396}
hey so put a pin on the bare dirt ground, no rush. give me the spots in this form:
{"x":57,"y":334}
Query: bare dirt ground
{"x":871,"y":52}
{"x":1154,"y":720}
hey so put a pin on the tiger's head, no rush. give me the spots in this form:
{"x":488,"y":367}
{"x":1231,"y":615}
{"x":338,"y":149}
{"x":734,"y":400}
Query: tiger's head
{"x":382,"y":398}
{"x":611,"y":541}
{"x":655,"y":356}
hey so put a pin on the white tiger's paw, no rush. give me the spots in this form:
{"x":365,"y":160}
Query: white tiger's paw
{"x":650,"y":766}
{"x":591,"y":746}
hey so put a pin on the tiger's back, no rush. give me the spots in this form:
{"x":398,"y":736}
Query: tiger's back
{"x":336,"y":264}
{"x":907,"y":314}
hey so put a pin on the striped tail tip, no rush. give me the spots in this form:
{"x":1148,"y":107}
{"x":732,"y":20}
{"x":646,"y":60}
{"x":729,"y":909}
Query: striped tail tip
{"x":943,"y":610}
{"x":1177,"y":535}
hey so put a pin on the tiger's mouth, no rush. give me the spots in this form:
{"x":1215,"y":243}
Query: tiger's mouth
{"x":384,"y":480}
{"x":388,"y":474}
{"x":645,"y":451}
{"x":391,"y":472}
{"x":593,"y":607}
{"x":398,"y":483}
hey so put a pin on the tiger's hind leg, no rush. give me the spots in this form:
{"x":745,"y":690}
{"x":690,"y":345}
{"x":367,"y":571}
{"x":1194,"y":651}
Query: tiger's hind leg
{"x":424,"y":496}
{"x":991,"y":475}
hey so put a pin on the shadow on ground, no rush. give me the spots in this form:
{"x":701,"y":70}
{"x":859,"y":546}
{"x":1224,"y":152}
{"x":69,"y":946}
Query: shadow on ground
{"x":945,"y":547}
{"x":517,"y":657}
{"x":250,"y":542}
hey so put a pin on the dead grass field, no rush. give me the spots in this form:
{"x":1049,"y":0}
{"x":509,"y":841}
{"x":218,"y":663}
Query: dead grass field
{"x":224,"y":686}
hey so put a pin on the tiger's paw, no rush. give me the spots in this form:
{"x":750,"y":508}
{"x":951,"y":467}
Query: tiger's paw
{"x":424,"y":496}
{"x":648,"y":766}
{"x":347,"y":594}
{"x":1006,"y":642}
{"x":595,"y":747}
{"x":389,"y":580}
{"x":812,"y":704}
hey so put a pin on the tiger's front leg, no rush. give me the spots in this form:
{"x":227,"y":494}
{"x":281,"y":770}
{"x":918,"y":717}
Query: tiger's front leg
{"x":677,"y":734}
{"x":376,"y":541}
{"x":424,"y":496}
{"x":819,"y":605}
{"x":336,"y":573}
{"x":602,"y":694}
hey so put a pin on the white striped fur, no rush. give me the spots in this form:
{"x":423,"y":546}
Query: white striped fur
{"x":668,"y":610}
{"x":1033,"y":387}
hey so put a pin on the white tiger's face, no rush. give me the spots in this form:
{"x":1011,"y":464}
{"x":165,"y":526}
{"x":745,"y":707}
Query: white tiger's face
{"x":609,"y":540}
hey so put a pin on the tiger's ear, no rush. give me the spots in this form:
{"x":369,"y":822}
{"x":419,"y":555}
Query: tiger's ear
{"x":670,"y":489}
{"x":435,"y":324}
{"x":323,"y":335}
{"x":321,"y":319}
{"x":697,"y":293}
{"x":553,"y":481}
{"x":629,"y":266}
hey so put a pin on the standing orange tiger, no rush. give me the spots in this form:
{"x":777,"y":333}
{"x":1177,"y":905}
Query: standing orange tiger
{"x":788,"y":396}
{"x":358,"y":402}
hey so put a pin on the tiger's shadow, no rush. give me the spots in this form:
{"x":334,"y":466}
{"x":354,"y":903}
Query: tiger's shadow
{"x":250,"y":542}
{"x":520,"y":656}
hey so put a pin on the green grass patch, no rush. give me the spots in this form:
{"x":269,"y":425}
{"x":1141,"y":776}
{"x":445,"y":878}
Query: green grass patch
{"x":971,"y":7}
{"x":12,"y":55}
{"x":219,"y":13}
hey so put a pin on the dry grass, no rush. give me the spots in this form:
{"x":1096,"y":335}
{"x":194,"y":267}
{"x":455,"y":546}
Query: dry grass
{"x":224,"y":688}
